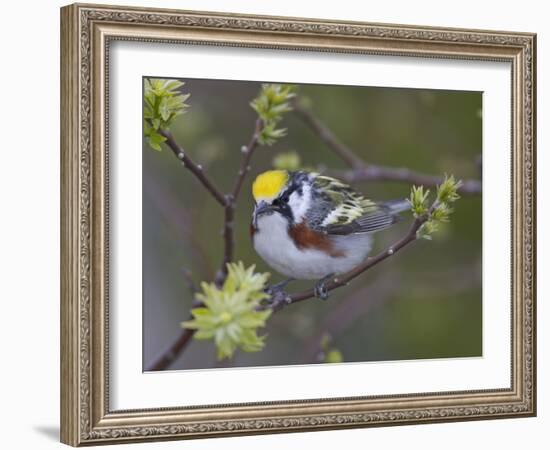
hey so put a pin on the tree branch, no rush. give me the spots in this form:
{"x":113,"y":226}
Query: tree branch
{"x":184,"y":338}
{"x":228,"y":202}
{"x":196,"y":169}
{"x":281,"y":299}
{"x":172,"y":352}
{"x":326,"y":135}
{"x":228,"y":238}
{"x":231,"y":200}
{"x":188,"y":275}
{"x":381,"y":173}
{"x":362,"y":171}
{"x":359,"y":170}
{"x":247,"y":156}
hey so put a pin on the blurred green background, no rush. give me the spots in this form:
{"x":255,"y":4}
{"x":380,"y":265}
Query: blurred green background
{"x":423,"y":303}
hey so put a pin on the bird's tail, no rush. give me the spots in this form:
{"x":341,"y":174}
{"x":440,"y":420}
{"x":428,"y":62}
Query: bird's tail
{"x":396,"y":206}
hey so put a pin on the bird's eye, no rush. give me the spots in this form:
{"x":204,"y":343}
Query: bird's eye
{"x":284,"y":198}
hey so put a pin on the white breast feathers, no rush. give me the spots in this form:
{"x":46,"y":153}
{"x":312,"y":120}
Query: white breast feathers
{"x":275,"y":246}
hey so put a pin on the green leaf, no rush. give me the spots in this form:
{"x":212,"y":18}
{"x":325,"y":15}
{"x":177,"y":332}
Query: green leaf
{"x":204,"y":334}
{"x":419,"y":200}
{"x":269,"y":134}
{"x":440,"y":211}
{"x":447,"y":192}
{"x":163,"y":101}
{"x":271,"y":103}
{"x":164,"y":110}
{"x":155,"y":140}
{"x":173,"y":85}
{"x":200,"y":312}
{"x":426,"y":230}
{"x":229,"y":315}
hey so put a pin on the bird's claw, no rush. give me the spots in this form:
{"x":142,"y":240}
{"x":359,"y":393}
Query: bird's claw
{"x":277,"y":287}
{"x":278,"y":296}
{"x":320,"y":290}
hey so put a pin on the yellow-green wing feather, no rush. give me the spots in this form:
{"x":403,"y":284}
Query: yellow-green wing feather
{"x":350,"y":211}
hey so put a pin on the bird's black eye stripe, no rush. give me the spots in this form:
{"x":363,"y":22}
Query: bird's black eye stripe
{"x":294,"y":187}
{"x":283,"y":199}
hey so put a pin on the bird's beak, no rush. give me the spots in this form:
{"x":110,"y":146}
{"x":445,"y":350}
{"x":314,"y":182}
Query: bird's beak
{"x":262,"y":207}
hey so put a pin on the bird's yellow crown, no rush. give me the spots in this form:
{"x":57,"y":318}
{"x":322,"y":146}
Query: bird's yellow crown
{"x":269,"y":184}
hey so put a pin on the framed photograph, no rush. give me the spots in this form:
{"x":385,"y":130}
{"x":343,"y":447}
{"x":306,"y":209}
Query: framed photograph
{"x":276,"y":225}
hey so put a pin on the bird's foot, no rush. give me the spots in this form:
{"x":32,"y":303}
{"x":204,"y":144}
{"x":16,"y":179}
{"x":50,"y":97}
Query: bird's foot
{"x":320,"y":290}
{"x":278,"y":286}
{"x":278,"y":296}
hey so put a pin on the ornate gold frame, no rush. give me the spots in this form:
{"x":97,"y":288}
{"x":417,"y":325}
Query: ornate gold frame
{"x":86,"y":31}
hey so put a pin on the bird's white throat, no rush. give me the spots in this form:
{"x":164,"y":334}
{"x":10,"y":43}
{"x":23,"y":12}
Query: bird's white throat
{"x":300,"y":203}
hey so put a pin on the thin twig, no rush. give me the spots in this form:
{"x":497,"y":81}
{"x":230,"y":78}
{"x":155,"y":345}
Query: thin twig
{"x":361,"y":171}
{"x":188,"y":275}
{"x":196,"y":169}
{"x":280,"y":299}
{"x":326,"y":135}
{"x":228,"y":202}
{"x":173,"y":351}
{"x":339,"y":281}
{"x":174,"y":213}
{"x":247,"y":156}
{"x":231,"y":200}
{"x":381,"y":173}
{"x":229,"y":240}
{"x":167,"y":358}
{"x":354,"y":306}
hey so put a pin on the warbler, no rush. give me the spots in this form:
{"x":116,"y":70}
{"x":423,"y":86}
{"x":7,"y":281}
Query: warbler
{"x":309,"y":226}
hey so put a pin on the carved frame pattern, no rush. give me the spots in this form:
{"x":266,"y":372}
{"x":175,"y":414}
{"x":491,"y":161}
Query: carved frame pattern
{"x":87,"y":31}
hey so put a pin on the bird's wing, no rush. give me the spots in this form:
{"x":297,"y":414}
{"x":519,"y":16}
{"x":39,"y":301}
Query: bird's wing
{"x":368,"y":223}
{"x":349,"y":211}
